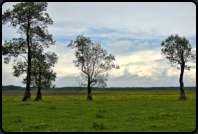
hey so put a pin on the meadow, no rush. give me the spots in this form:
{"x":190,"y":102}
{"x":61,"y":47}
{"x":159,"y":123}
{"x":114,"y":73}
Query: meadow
{"x":109,"y":111}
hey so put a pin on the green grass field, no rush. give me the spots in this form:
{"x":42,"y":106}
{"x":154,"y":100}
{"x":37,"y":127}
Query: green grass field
{"x":112,"y":111}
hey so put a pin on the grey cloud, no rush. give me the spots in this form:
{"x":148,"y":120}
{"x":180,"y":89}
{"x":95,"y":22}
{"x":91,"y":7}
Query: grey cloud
{"x":139,"y":71}
{"x":129,"y":76}
{"x":135,"y":80}
{"x":6,"y":75}
{"x":106,"y":15}
{"x":68,"y":77}
{"x":68,"y":80}
{"x":163,"y":74}
{"x":161,"y":60}
{"x":165,"y":61}
{"x":9,"y":79}
{"x":187,"y":81}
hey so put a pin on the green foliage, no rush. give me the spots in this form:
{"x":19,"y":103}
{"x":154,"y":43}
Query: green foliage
{"x":178,"y":51}
{"x":12,"y":88}
{"x":93,"y":61}
{"x":42,"y":74}
{"x":32,"y":19}
{"x":29,"y":17}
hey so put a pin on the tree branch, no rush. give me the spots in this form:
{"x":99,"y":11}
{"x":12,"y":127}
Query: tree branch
{"x":173,"y":59}
{"x":24,"y":57}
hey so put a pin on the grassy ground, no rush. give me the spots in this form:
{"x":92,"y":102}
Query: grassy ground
{"x":130,"y":111}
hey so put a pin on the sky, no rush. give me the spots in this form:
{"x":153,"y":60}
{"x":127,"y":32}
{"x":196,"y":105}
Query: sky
{"x":131,"y":31}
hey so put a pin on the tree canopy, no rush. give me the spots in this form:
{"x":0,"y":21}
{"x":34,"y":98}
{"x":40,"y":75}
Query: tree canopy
{"x":41,"y":73}
{"x":32,"y":21}
{"x":93,"y":61}
{"x":177,"y":50}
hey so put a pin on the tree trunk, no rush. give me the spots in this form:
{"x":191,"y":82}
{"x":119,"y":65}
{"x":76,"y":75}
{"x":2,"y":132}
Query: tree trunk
{"x":27,"y":95}
{"x":183,"y":96}
{"x":89,"y":96}
{"x":39,"y":95}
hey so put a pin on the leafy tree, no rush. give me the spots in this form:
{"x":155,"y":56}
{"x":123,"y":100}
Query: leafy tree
{"x":93,"y":61}
{"x":178,"y":51}
{"x":32,"y":21}
{"x":41,"y":74}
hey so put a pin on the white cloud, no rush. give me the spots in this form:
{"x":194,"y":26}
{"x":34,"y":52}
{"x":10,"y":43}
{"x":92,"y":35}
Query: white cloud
{"x":120,"y":43}
{"x":65,"y":65}
{"x":136,"y":41}
{"x":128,"y":31}
{"x":132,"y":19}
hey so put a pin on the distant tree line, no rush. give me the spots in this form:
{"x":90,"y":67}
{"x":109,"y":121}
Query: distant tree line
{"x":19,"y":88}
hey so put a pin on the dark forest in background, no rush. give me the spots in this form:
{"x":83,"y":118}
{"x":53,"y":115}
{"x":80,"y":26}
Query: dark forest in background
{"x":18,"y":88}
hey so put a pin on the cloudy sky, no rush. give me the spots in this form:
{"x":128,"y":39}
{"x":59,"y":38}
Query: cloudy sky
{"x":132,"y":32}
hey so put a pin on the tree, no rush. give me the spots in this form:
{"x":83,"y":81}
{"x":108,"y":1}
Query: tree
{"x":32,"y":21}
{"x":178,"y":51}
{"x":41,"y":74}
{"x":93,"y":61}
